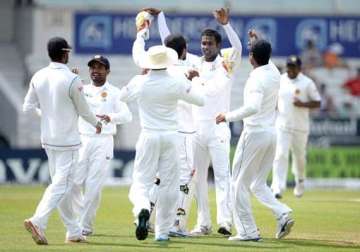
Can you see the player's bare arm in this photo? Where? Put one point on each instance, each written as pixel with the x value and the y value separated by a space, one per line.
pixel 310 104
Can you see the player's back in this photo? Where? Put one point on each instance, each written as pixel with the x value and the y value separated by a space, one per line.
pixel 58 115
pixel 158 99
pixel 266 80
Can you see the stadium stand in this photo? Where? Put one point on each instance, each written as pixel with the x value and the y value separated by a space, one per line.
pixel 30 23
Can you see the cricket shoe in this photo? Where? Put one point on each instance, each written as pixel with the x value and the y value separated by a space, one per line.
pixel 299 188
pixel 225 231
pixel 284 225
pixel 86 232
pixel 255 238
pixel 278 195
pixel 176 231
pixel 36 233
pixel 200 231
pixel 162 238
pixel 76 239
pixel 142 227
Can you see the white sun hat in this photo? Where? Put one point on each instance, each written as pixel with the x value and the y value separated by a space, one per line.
pixel 158 57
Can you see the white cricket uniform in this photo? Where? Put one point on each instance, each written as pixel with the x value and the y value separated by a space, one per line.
pixel 58 93
pixel 292 128
pixel 212 141
pixel 97 150
pixel 256 148
pixel 186 126
pixel 157 95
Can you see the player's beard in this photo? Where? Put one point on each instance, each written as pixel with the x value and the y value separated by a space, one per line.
pixel 98 80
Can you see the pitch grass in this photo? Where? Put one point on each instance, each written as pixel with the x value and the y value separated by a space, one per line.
pixel 324 221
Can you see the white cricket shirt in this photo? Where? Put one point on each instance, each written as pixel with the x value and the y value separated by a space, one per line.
pixel 260 98
pixel 218 78
pixel 58 93
pixel 157 94
pixel 104 100
pixel 291 117
pixel 184 109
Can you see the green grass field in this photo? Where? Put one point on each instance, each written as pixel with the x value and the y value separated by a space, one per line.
pixel 324 221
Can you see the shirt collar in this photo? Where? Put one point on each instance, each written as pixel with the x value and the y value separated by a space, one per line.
pixel 57 65
pixel 259 69
pixel 103 87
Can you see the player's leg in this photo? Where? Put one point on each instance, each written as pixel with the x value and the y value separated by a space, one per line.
pixel 80 175
pixel 248 155
pixel 219 148
pixel 97 173
pixel 298 146
pixel 37 224
pixel 66 163
pixel 280 163
pixel 201 164
pixel 145 168
pixel 168 189
pixel 186 172
pixel 259 186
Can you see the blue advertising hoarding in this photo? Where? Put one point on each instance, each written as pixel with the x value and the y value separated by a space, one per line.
pixel 27 166
pixel 114 33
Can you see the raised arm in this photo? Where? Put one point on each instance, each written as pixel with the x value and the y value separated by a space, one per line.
pixel 222 16
pixel 138 49
pixel 162 26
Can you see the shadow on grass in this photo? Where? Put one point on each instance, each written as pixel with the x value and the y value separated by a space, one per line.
pixel 142 244
pixel 229 244
pixel 110 235
pixel 265 244
pixel 320 243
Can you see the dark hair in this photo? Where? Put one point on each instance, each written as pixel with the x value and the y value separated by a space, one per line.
pixel 212 33
pixel 261 51
pixel 176 42
pixel 57 47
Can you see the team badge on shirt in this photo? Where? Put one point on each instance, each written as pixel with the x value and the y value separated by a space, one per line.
pixel 103 96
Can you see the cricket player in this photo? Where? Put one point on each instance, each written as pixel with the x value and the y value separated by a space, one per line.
pixel 297 95
pixel 186 126
pixel 256 147
pixel 157 94
pixel 217 69
pixel 59 94
pixel 97 150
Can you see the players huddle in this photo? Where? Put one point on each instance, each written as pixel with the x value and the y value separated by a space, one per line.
pixel 184 109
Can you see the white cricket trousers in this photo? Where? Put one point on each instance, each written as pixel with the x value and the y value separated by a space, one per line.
pixel 287 140
pixel 212 143
pixel 62 165
pixel 95 156
pixel 251 166
pixel 186 155
pixel 156 154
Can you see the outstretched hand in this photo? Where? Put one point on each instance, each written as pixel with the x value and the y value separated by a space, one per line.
pixel 152 11
pixel 222 15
